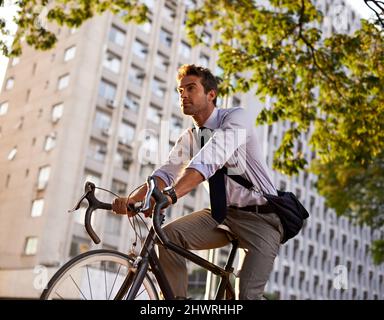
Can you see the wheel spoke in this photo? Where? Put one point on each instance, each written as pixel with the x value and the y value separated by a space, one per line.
pixel 78 288
pixel 89 282
pixel 59 295
pixel 141 292
pixel 105 281
pixel 113 285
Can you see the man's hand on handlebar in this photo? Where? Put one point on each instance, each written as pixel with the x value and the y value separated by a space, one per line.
pixel 124 206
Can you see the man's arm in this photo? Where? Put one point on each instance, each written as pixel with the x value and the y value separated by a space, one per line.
pixel 189 180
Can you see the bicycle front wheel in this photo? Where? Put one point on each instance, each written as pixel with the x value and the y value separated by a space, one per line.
pixel 95 275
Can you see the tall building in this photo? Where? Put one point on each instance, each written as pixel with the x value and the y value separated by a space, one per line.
pixel 102 106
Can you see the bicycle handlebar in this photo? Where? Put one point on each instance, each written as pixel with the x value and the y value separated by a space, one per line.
pixel 94 204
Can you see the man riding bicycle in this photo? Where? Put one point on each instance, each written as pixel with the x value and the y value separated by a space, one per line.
pixel 223 142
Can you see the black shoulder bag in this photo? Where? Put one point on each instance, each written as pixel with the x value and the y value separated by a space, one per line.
pixel 286 205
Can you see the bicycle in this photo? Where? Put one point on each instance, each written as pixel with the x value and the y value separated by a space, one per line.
pixel 120 276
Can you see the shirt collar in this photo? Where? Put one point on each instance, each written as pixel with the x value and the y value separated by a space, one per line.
pixel 212 122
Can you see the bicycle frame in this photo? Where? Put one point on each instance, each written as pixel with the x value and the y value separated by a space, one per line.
pixel 149 259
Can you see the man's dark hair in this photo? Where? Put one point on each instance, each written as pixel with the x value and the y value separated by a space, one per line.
pixel 208 80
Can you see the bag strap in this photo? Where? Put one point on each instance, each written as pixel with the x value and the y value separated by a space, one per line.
pixel 237 178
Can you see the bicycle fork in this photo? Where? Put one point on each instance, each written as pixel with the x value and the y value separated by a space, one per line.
pixel 137 272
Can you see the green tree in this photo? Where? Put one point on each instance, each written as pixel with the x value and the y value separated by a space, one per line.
pixel 71 13
pixel 330 89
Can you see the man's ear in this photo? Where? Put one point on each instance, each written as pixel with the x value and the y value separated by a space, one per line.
pixel 211 95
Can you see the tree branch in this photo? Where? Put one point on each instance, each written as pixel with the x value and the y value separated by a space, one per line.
pixel 313 50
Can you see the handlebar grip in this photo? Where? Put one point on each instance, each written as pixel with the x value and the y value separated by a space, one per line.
pixel 88 215
pixel 93 205
pixel 88 225
pixel 161 202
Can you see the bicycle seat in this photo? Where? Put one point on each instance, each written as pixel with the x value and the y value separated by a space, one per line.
pixel 230 234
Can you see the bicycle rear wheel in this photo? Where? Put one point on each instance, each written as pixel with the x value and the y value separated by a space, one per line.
pixel 95 275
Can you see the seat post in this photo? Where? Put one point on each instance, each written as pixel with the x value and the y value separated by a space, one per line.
pixel 232 255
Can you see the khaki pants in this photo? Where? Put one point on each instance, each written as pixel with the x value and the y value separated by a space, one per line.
pixel 259 234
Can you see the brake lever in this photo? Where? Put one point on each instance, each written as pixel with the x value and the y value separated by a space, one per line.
pixel 88 188
pixel 136 207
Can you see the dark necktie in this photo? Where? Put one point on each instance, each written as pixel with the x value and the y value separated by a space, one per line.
pixel 216 183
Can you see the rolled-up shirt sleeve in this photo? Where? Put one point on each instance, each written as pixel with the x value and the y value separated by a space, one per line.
pixel 221 147
pixel 178 158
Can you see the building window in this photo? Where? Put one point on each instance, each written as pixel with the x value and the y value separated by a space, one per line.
pixel 151 145
pixel 9 83
pixel 3 108
pixel 146 26
pixel 203 60
pixel 175 97
pixel 63 82
pixel 113 224
pixel 20 123
pixel 122 160
pixel 112 62
pixel 102 120
pixel 176 126
pixel 37 208
pixel 154 114
pixel 69 53
pixel 79 245
pixel 50 142
pixel 12 154
pixel 165 38
pixel 146 170
pixel 97 150
pixel 161 61
pixel 92 177
pixel 43 177
pixel 8 180
pixel 126 133
pixel 107 90
pixel 136 75
pixel 140 49
pixel 117 36
pixel 158 87
pixel 132 101
pixel 185 49
pixel 169 13
pixel 207 38
pixel 119 187
pixel 31 246
pixel 57 112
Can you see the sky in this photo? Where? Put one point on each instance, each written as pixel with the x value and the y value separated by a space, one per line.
pixel 9 10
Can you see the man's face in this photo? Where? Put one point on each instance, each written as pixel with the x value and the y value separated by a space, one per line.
pixel 193 100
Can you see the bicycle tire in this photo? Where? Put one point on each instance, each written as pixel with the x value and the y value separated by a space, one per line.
pixel 107 267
